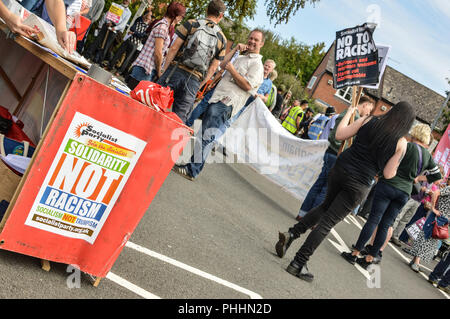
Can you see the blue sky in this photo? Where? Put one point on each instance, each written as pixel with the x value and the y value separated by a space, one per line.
pixel 417 31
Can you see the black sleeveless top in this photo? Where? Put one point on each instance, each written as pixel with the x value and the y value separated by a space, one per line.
pixel 362 161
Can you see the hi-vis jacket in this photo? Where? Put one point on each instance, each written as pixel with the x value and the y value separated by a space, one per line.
pixel 290 123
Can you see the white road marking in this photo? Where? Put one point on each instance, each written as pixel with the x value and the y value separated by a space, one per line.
pixel 354 221
pixel 132 287
pixel 341 246
pixel 193 270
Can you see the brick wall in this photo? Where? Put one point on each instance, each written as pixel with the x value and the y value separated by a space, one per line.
pixel 326 93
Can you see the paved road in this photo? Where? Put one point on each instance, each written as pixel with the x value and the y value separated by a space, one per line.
pixel 214 238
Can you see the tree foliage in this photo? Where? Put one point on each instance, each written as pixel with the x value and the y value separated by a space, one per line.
pixel 280 11
pixel 445 117
pixel 236 9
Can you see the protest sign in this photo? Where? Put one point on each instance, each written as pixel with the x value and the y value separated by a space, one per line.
pixel 441 153
pixel 87 175
pixel 114 13
pixel 356 57
pixel 92 179
pixel 383 52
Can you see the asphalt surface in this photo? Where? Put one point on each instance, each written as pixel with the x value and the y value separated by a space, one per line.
pixel 213 238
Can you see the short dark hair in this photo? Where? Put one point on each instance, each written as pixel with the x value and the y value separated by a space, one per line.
pixel 262 33
pixel 366 99
pixel 215 8
pixel 304 102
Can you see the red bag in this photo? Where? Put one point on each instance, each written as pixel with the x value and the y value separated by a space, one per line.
pixel 440 232
pixel 80 31
pixel 15 132
pixel 153 95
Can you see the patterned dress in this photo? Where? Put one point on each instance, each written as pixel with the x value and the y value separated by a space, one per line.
pixel 426 248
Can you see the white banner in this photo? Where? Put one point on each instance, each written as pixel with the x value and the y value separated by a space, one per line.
pixel 258 139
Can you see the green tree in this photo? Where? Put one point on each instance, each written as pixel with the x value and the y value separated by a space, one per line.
pixel 280 11
pixel 293 57
pixel 237 10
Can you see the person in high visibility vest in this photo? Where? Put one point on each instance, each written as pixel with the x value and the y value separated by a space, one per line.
pixel 295 116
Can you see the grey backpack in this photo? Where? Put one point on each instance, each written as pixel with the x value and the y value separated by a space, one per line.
pixel 200 47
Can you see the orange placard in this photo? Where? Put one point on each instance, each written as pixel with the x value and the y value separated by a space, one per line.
pixel 101 163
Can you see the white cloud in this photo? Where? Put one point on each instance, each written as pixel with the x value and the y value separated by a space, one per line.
pixel 441 6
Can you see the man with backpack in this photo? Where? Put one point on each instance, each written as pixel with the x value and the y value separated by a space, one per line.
pixel 194 57
pixel 242 79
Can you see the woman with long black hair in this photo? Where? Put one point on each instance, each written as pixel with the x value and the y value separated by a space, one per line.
pixel 379 146
pixel 392 194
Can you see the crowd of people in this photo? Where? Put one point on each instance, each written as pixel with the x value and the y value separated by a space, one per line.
pixel 379 172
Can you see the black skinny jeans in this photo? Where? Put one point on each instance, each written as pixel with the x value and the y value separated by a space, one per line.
pixel 344 194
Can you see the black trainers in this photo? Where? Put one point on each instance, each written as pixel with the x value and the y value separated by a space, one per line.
pixel 301 271
pixel 183 172
pixel 444 289
pixel 349 257
pixel 433 281
pixel 365 250
pixel 407 250
pixel 284 241
pixel 377 258
pixel 363 263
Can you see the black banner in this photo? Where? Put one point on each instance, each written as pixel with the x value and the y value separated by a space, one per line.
pixel 356 57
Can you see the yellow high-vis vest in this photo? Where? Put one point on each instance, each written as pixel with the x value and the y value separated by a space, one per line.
pixel 290 123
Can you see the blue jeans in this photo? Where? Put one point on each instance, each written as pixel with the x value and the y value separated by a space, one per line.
pixel 387 203
pixel 442 272
pixel 140 74
pixel 317 192
pixel 249 100
pixel 213 121
pixel 200 108
pixel 184 86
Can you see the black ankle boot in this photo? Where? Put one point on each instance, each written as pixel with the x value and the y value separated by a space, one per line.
pixel 349 257
pixel 284 241
pixel 299 270
pixel 363 263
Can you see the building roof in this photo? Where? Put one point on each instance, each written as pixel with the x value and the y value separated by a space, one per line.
pixel 396 87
